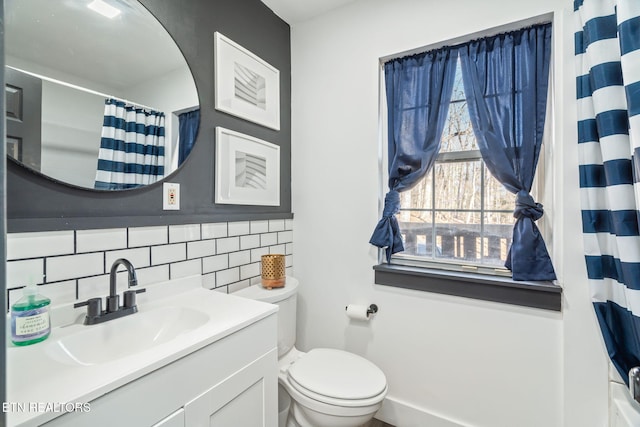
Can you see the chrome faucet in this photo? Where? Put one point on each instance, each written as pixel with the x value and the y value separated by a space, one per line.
pixel 114 310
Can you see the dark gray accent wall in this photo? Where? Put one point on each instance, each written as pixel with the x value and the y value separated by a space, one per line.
pixel 36 203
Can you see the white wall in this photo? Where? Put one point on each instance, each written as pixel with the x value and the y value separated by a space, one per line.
pixel 71 132
pixel 449 361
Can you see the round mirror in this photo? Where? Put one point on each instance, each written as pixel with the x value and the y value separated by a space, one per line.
pixel 98 94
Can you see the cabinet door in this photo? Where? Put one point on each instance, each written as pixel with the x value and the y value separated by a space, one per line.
pixel 174 420
pixel 249 397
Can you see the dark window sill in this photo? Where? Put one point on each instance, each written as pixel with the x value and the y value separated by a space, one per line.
pixel 545 295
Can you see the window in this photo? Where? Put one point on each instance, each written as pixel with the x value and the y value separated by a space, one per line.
pixel 457 220
pixel 458 215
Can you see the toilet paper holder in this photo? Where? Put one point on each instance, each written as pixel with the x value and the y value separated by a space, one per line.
pixel 373 309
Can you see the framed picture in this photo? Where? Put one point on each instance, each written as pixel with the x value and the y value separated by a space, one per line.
pixel 247 170
pixel 245 85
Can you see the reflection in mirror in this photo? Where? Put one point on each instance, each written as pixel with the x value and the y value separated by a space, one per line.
pixel 76 77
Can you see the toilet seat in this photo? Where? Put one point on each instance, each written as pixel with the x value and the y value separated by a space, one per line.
pixel 339 378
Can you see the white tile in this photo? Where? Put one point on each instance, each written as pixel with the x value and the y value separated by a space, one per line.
pixel 256 280
pixel 288 249
pixel 221 289
pixel 276 225
pixel 98 286
pixel 22 273
pixel 73 266
pixel 256 254
pixel 251 241
pixel 285 237
pixel 214 230
pixel 289 271
pixel 288 224
pixel 184 233
pixel 226 277
pixel 139 257
pixel 257 227
pixel 288 261
pixel 278 249
pixel 209 281
pixel 215 263
pixel 268 239
pixel 150 275
pixel 100 240
pixel 185 268
pixel 33 245
pixel 148 236
pixel 235 287
pixel 201 248
pixel 168 253
pixel 249 270
pixel 13 295
pixel 239 258
pixel 238 228
pixel 59 292
pixel 229 244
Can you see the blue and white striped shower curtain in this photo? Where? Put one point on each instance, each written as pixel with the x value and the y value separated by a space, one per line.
pixel 607 48
pixel 131 148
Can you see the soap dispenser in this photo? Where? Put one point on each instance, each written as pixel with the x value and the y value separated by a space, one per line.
pixel 30 321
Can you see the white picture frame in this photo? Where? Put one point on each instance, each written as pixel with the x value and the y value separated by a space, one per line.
pixel 247 170
pixel 246 86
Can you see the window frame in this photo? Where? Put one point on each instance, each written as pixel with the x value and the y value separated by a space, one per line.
pixel 455 278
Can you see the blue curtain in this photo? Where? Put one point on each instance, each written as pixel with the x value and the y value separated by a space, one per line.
pixel 418 90
pixel 131 148
pixel 607 49
pixel 506 81
pixel 188 124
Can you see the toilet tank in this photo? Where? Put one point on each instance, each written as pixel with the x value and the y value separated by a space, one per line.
pixel 285 298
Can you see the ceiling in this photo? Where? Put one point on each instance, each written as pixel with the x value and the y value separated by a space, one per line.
pixel 294 11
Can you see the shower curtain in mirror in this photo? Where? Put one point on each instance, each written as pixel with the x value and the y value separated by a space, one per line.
pixel 607 48
pixel 131 148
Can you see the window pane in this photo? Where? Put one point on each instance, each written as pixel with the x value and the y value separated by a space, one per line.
pixel 458 86
pixel 498 230
pixel 458 132
pixel 420 196
pixel 496 196
pixel 416 233
pixel 458 185
pixel 458 236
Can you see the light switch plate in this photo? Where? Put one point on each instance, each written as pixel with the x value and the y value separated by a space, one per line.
pixel 170 196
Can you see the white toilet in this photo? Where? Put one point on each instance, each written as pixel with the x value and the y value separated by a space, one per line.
pixel 328 388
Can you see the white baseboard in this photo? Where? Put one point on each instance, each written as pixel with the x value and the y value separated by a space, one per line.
pixel 399 413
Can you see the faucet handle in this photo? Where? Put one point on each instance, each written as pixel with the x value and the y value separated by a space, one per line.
pixel 130 297
pixel 94 306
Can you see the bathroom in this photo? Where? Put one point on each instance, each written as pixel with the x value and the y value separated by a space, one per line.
pixel 449 360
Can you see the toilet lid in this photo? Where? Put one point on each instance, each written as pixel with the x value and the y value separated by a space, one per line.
pixel 338 374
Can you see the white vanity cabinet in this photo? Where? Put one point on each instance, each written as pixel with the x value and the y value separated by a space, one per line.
pixel 230 382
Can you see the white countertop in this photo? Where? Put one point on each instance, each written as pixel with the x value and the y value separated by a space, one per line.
pixel 36 378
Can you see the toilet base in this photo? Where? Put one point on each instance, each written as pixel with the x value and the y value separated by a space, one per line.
pixel 304 417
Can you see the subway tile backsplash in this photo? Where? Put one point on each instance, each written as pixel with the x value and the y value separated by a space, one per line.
pixel 74 265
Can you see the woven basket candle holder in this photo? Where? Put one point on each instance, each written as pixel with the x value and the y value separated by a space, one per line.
pixel 273 271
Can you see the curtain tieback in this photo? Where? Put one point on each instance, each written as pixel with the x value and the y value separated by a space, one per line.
pixel 527 207
pixel 387 233
pixel 391 204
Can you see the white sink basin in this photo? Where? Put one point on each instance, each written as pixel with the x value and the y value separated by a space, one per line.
pixel 115 339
